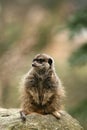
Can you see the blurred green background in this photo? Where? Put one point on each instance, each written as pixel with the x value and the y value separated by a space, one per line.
pixel 58 28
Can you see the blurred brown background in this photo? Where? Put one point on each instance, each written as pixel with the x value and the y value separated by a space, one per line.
pixel 58 28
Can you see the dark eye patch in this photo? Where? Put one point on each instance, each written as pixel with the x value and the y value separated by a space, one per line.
pixel 41 60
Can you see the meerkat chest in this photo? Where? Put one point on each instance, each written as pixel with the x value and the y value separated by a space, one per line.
pixel 41 82
pixel 44 83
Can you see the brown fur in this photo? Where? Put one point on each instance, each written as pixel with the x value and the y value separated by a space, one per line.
pixel 42 89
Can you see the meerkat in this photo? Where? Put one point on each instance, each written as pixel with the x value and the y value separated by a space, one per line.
pixel 42 91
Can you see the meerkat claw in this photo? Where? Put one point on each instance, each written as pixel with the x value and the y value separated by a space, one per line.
pixel 23 116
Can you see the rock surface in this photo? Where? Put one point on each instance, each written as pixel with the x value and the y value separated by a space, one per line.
pixel 10 120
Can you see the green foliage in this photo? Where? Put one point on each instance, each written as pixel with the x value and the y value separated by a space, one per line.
pixel 51 4
pixel 9 36
pixel 43 38
pixel 80 112
pixel 79 57
pixel 77 21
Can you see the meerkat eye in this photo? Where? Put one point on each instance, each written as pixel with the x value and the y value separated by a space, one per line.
pixel 41 60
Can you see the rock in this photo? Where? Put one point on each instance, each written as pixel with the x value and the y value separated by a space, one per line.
pixel 10 120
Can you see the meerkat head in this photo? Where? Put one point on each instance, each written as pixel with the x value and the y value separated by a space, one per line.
pixel 42 62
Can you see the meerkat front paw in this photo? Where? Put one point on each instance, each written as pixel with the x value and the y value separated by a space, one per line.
pixel 58 114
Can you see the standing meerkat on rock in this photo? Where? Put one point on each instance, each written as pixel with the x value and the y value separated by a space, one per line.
pixel 42 91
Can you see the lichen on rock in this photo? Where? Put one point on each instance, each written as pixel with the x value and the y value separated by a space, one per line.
pixel 10 120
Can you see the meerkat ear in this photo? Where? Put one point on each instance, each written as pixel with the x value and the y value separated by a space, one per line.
pixel 50 61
